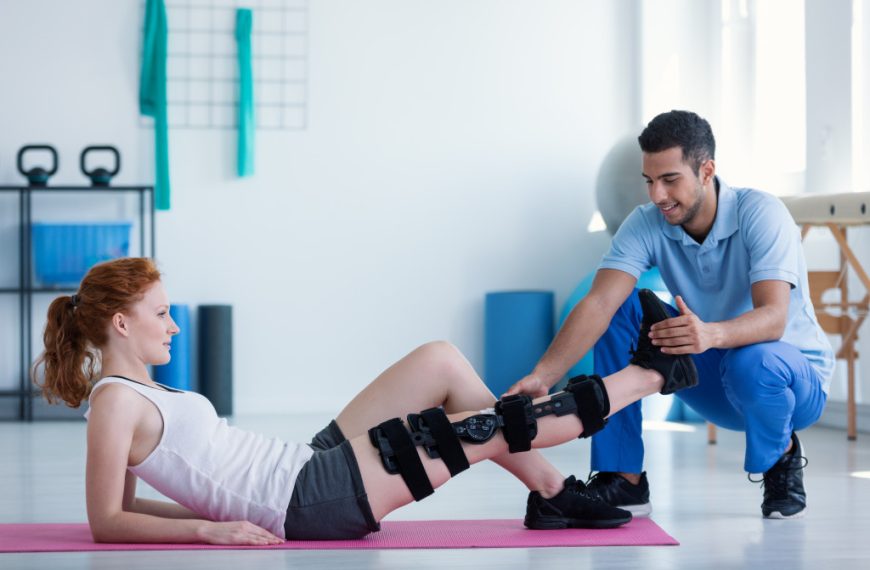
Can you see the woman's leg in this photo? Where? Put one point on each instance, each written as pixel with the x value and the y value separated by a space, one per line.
pixel 434 374
pixel 387 492
pixel 437 374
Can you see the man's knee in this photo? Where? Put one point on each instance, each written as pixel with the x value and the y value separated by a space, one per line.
pixel 630 308
pixel 625 320
pixel 747 375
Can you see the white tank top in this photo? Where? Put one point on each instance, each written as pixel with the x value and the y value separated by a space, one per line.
pixel 220 472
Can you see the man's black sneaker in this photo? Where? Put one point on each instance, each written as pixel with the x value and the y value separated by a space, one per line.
pixel 617 491
pixel 784 494
pixel 678 370
pixel 573 507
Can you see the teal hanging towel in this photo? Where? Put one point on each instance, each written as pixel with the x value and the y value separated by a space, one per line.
pixel 152 95
pixel 244 19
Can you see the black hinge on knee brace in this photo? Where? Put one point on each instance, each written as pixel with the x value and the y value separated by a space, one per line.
pixel 399 455
pixel 432 430
pixel 593 404
pixel 520 426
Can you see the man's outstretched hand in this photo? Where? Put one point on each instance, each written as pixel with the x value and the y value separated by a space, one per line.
pixel 531 385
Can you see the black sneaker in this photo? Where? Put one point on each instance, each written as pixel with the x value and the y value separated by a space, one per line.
pixel 784 494
pixel 678 370
pixel 616 491
pixel 573 507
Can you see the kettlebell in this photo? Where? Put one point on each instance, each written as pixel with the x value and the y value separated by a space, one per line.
pixel 100 177
pixel 37 176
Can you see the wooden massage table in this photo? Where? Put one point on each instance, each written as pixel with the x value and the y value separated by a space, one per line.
pixel 837 212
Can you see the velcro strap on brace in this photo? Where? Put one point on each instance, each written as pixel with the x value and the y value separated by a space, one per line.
pixel 447 443
pixel 403 451
pixel 593 404
pixel 520 426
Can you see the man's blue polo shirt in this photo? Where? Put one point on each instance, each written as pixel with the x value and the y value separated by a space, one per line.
pixel 753 238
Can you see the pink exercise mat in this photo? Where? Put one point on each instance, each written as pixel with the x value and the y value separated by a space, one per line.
pixel 495 533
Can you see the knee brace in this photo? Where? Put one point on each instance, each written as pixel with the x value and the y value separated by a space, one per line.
pixel 399 456
pixel 516 416
pixel 584 396
pixel 590 402
pixel 431 430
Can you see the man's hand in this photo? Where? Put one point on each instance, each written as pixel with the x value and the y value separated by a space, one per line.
pixel 531 385
pixel 686 334
pixel 237 532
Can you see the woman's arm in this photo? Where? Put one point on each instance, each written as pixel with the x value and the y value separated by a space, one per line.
pixel 115 413
pixel 165 509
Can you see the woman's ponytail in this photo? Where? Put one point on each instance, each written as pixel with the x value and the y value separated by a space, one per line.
pixel 68 363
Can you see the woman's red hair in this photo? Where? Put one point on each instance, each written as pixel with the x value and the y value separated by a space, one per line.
pixel 78 327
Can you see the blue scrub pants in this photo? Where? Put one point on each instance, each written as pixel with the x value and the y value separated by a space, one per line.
pixel 767 390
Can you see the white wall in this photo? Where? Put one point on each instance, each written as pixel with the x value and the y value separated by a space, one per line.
pixel 679 43
pixel 829 91
pixel 452 150
pixel 829 28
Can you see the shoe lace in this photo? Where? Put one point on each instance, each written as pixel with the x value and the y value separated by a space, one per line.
pixel 644 351
pixel 597 481
pixel 599 477
pixel 775 479
pixel 580 488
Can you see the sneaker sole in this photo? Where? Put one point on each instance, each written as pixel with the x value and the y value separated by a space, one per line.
pixel 687 367
pixel 556 523
pixel 643 510
pixel 776 515
pixel 656 304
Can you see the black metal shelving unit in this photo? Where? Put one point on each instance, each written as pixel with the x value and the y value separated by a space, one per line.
pixel 26 392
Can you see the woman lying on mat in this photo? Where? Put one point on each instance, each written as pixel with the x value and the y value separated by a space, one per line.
pixel 236 487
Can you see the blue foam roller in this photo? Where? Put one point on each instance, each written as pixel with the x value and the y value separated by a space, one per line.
pixel 518 330
pixel 177 372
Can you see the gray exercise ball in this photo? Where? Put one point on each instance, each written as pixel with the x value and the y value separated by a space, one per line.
pixel 620 186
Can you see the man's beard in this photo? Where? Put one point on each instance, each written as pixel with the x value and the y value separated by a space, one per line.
pixel 694 208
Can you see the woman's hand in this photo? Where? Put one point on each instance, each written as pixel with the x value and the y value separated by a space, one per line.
pixel 237 532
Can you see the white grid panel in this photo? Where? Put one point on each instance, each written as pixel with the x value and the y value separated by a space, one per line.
pixel 202 71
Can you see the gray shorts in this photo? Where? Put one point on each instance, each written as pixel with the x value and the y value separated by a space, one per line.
pixel 329 500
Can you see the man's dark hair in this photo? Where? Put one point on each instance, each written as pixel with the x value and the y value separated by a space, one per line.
pixel 684 129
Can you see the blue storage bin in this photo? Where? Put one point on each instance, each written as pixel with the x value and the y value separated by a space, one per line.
pixel 63 253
